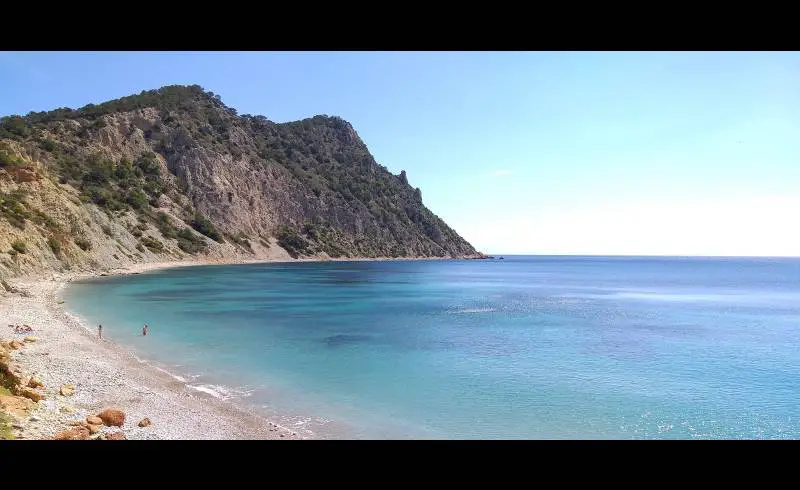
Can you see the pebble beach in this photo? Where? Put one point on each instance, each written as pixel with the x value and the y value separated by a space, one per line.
pixel 83 375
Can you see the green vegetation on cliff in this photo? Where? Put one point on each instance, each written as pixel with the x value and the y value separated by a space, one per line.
pixel 199 176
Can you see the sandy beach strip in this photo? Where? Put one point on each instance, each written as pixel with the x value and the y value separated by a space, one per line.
pixel 108 375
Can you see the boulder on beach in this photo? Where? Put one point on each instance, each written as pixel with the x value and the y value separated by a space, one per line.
pixel 67 409
pixel 30 339
pixel 145 422
pixel 94 420
pixel 74 434
pixel 93 428
pixel 15 344
pixel 15 405
pixel 30 393
pixel 67 390
pixel 115 436
pixel 112 417
pixel 35 382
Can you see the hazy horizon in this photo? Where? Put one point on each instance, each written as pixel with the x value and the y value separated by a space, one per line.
pixel 531 153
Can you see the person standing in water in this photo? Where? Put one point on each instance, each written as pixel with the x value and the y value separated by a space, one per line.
pixel 100 331
pixel 144 330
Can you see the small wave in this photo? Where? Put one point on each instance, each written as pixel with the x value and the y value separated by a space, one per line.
pixel 214 390
pixel 174 376
pixel 475 310
pixel 223 392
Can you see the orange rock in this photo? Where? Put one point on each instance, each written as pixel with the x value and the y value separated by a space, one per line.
pixel 112 416
pixel 93 429
pixel 67 390
pixel 15 344
pixel 93 420
pixel 35 382
pixel 31 393
pixel 15 405
pixel 115 436
pixel 76 434
pixel 144 422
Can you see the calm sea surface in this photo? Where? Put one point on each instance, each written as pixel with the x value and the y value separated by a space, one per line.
pixel 526 347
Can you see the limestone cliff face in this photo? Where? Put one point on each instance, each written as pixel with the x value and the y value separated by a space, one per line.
pixel 173 173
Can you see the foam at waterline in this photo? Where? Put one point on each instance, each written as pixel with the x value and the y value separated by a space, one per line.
pixel 174 376
pixel 222 392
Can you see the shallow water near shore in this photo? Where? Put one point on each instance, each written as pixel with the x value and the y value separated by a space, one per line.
pixel 527 347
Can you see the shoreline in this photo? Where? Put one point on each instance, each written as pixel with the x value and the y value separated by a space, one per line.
pixel 106 374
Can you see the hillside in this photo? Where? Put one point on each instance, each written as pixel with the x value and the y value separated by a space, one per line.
pixel 173 174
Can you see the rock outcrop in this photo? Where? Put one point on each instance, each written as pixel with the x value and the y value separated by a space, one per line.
pixel 174 174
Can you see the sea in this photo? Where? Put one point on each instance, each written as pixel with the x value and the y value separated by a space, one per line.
pixel 527 347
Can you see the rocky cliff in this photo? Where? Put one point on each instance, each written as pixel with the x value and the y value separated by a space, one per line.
pixel 174 174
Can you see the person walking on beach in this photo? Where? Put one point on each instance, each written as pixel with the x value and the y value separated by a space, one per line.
pixel 144 330
pixel 100 331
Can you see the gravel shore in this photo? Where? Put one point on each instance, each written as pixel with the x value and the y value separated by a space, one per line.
pixel 107 375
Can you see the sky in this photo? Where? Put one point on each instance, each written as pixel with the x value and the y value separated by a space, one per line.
pixel 588 153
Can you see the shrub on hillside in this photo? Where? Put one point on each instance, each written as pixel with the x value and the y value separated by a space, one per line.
pixel 189 242
pixel 55 245
pixel 19 246
pixel 293 243
pixel 83 244
pixel 204 226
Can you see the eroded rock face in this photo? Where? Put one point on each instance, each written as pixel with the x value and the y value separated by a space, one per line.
pixel 112 417
pixel 251 177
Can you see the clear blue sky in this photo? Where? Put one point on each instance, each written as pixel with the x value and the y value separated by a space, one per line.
pixel 521 152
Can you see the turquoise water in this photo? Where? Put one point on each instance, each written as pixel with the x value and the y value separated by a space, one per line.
pixel 526 347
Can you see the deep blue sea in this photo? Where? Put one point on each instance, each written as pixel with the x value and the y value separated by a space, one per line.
pixel 528 347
